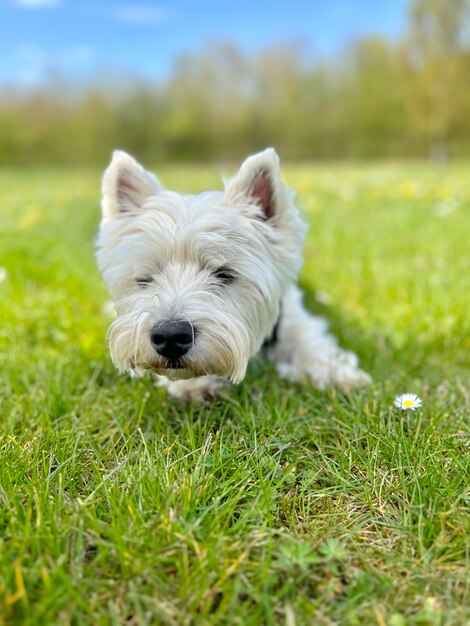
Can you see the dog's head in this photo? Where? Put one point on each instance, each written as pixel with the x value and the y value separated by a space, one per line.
pixel 196 279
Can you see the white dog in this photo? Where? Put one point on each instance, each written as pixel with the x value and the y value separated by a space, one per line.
pixel 202 282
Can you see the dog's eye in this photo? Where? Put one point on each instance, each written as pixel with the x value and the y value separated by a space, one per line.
pixel 144 281
pixel 224 275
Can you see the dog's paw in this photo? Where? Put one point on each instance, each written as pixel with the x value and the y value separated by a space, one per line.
pixel 342 373
pixel 347 378
pixel 197 390
pixel 346 374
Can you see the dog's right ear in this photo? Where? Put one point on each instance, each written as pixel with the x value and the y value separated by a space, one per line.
pixel 126 186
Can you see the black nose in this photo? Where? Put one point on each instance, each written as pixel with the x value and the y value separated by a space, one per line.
pixel 172 339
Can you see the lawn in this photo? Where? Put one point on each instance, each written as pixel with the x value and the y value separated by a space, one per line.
pixel 279 504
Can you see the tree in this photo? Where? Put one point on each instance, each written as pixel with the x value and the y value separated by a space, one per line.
pixel 433 54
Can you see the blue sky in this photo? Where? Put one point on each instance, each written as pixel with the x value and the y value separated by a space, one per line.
pixel 145 37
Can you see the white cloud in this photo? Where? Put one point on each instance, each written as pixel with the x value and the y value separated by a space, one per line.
pixel 36 4
pixel 140 14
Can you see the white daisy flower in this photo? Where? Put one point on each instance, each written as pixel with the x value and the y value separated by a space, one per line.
pixel 3 274
pixel 408 402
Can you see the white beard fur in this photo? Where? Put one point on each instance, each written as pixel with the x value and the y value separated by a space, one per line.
pixel 163 256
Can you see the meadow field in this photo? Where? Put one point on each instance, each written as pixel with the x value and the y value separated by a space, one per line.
pixel 279 504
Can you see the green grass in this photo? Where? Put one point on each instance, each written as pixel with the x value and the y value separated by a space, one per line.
pixel 280 504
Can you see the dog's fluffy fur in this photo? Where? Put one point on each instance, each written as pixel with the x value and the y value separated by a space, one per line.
pixel 223 262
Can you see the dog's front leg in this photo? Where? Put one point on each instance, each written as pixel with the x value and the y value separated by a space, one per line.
pixel 305 350
pixel 200 389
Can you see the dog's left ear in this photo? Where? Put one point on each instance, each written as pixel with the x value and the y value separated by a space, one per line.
pixel 126 185
pixel 259 182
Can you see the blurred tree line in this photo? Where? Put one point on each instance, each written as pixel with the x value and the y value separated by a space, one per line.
pixel 409 98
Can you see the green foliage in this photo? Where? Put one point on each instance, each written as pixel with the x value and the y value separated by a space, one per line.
pixel 394 99
pixel 279 504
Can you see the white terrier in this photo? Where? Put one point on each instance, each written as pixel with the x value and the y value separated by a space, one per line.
pixel 202 282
